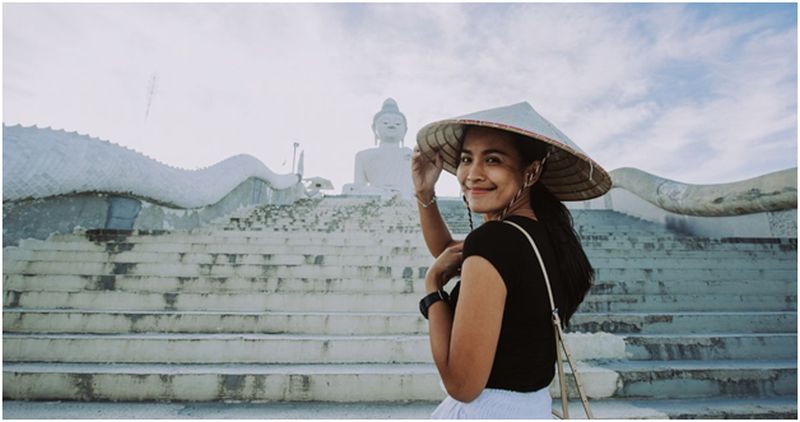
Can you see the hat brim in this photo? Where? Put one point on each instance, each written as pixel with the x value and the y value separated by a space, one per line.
pixel 570 174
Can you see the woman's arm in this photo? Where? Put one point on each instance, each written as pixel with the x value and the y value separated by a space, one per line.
pixel 425 174
pixel 434 230
pixel 464 349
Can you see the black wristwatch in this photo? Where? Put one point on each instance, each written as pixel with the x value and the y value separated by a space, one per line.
pixel 432 298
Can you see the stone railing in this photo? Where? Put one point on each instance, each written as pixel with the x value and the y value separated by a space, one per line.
pixel 771 192
pixel 41 163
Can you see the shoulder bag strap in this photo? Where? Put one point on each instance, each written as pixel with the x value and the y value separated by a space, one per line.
pixel 559 334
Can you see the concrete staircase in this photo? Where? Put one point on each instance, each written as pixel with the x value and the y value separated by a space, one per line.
pixel 317 303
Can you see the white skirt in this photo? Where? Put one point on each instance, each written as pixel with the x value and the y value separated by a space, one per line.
pixel 498 404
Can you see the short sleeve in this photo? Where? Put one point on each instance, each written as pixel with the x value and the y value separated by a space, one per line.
pixel 499 244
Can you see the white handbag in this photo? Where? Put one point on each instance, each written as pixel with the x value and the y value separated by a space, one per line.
pixel 559 334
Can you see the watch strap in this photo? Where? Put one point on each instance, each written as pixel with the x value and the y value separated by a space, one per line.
pixel 432 298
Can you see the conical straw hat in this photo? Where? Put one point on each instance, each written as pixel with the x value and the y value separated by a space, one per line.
pixel 570 174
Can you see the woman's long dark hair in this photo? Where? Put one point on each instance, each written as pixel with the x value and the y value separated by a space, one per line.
pixel 576 271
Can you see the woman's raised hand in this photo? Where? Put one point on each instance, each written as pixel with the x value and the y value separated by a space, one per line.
pixel 425 172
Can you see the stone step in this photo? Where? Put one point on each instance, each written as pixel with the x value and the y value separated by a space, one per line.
pixel 780 407
pixel 255 258
pixel 411 281
pixel 675 271
pixel 595 220
pixel 683 303
pixel 685 322
pixel 694 379
pixel 667 243
pixel 669 275
pixel 220 248
pixel 205 236
pixel 376 302
pixel 728 253
pixel 373 256
pixel 372 302
pixel 376 382
pixel 321 213
pixel 231 235
pixel 405 219
pixel 681 346
pixel 178 269
pixel 317 215
pixel 215 348
pixel 720 286
pixel 384 247
pixel 406 227
pixel 367 323
pixel 244 302
pixel 387 216
pixel 204 284
pixel 783 407
pixel 611 229
pixel 699 262
pixel 180 382
pixel 254 347
pixel 248 382
pixel 295 349
pixel 410 227
pixel 113 322
pixel 217 410
pixel 309 239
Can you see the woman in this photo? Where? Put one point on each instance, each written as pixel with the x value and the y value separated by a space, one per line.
pixel 492 338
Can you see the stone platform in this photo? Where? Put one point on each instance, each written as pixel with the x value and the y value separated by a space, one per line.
pixel 310 311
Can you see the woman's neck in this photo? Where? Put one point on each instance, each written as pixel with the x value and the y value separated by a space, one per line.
pixel 522 207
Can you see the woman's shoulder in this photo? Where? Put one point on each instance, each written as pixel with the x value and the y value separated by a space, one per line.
pixel 496 234
pixel 495 227
pixel 503 246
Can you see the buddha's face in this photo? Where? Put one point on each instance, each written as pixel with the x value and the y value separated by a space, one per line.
pixel 390 128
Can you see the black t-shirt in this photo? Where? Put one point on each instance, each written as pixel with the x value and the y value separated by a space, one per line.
pixel 525 358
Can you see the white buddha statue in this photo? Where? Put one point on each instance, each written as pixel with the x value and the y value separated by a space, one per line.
pixel 386 169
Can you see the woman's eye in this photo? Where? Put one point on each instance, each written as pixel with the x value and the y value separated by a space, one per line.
pixel 492 160
pixel 466 160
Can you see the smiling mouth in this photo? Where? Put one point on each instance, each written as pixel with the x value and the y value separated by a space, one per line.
pixel 477 191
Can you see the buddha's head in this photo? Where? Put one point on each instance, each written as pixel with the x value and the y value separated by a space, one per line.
pixel 389 124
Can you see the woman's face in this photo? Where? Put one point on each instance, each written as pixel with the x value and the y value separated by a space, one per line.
pixel 490 169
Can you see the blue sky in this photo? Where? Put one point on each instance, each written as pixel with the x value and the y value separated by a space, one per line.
pixel 699 93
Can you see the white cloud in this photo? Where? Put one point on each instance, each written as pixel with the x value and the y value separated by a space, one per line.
pixel 252 78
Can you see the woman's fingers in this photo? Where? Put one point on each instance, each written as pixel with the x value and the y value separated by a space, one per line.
pixel 437 156
pixel 438 160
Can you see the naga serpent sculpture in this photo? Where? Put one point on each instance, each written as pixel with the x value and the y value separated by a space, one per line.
pixel 42 162
pixel 770 192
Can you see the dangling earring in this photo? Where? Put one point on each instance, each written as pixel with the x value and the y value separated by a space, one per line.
pixel 469 212
pixel 510 204
pixel 530 180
